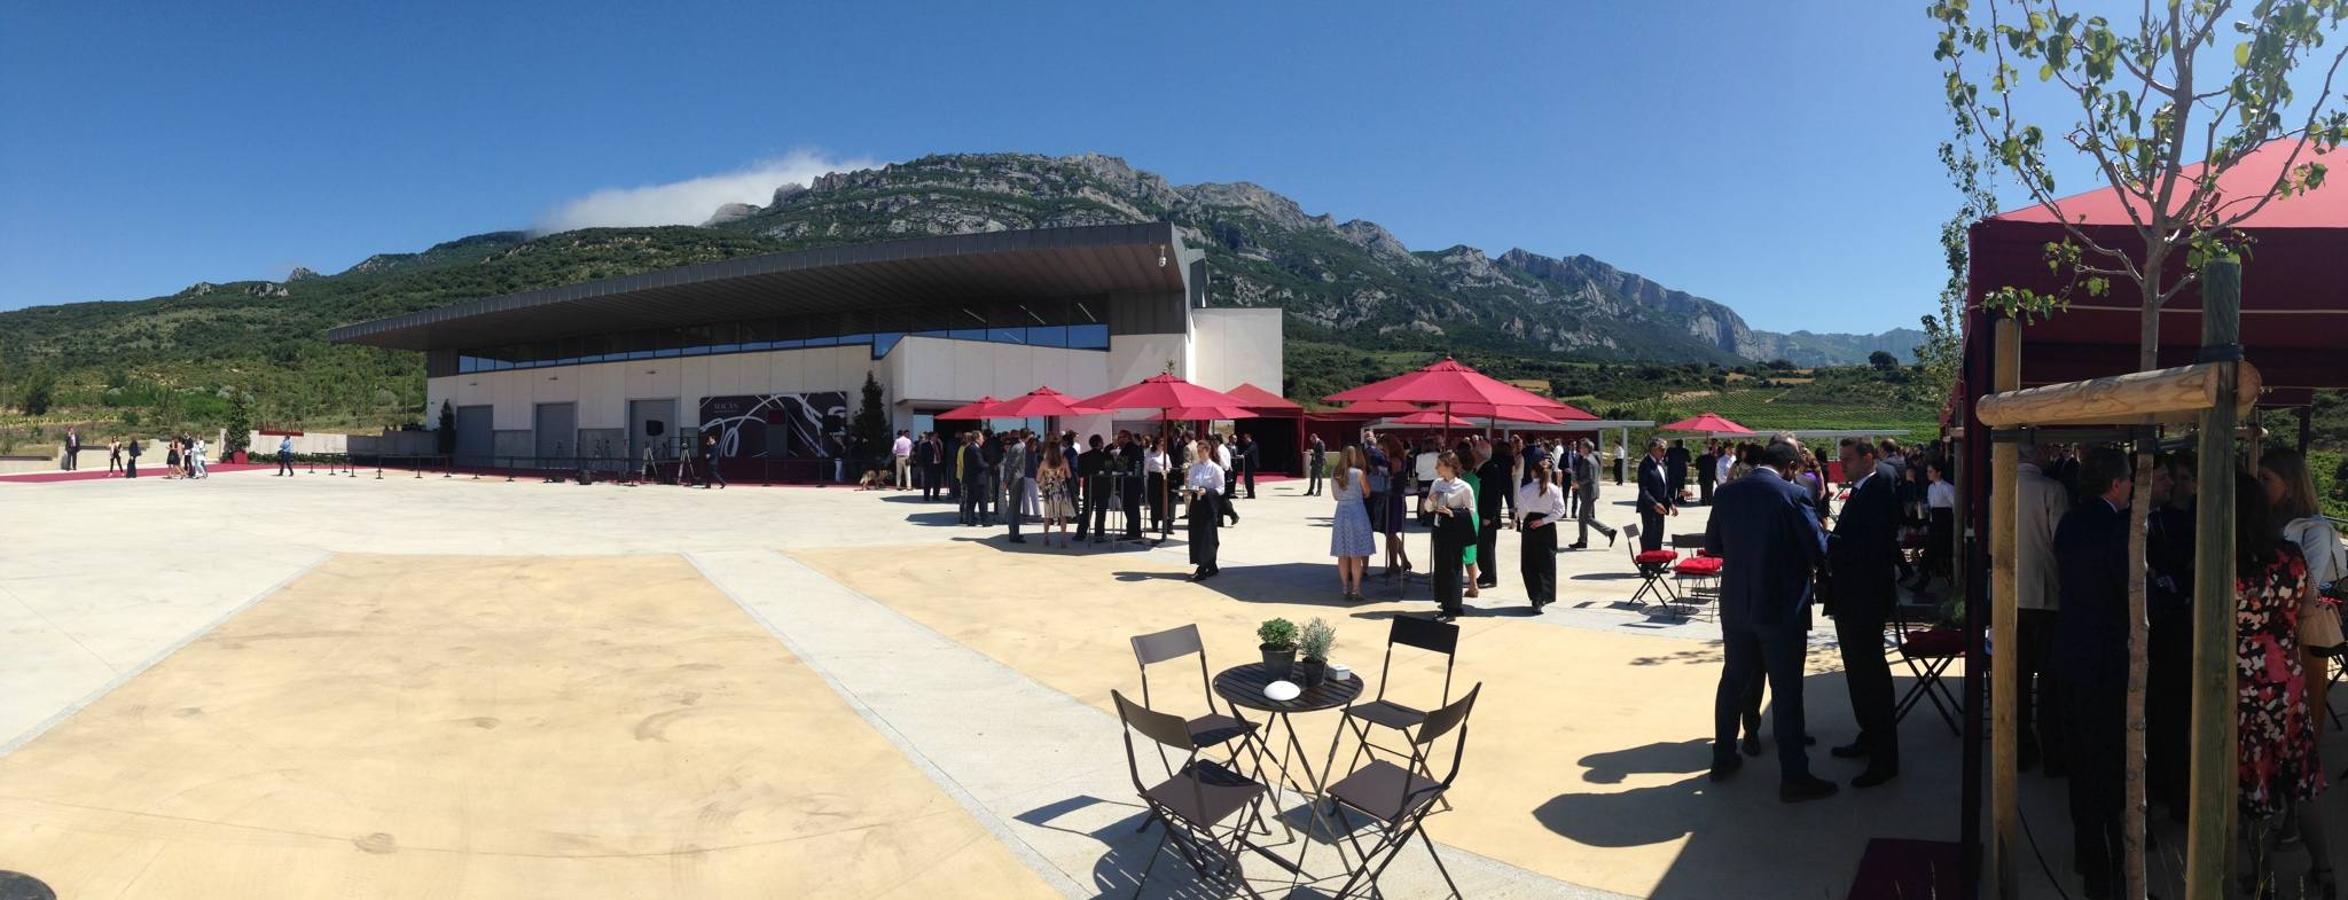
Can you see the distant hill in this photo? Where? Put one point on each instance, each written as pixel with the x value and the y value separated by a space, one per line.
pixel 1346 284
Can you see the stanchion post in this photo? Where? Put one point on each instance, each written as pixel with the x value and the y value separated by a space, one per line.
pixel 2005 660
pixel 2209 840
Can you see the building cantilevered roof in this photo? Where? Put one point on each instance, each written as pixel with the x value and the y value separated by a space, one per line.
pixel 1093 260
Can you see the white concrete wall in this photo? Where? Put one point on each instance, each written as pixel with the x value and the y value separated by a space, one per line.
pixel 1232 345
pixel 309 442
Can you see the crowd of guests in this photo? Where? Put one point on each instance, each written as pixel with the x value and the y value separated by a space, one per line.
pixel 2073 568
pixel 1130 481
pixel 185 456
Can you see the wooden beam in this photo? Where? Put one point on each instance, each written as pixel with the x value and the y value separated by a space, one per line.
pixel 2005 661
pixel 2209 840
pixel 2167 395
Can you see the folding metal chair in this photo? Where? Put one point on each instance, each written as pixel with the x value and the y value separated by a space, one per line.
pixel 1928 653
pixel 1210 730
pixel 1194 801
pixel 1398 798
pixel 1408 631
pixel 1653 566
pixel 1699 568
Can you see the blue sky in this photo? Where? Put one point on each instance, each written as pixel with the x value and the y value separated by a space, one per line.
pixel 1777 157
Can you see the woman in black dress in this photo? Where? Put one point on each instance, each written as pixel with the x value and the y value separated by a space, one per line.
pixel 1203 484
pixel 1453 504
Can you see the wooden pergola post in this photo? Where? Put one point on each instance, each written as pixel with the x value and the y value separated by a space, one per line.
pixel 2209 840
pixel 2005 660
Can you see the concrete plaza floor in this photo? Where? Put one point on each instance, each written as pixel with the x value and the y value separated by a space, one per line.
pixel 344 687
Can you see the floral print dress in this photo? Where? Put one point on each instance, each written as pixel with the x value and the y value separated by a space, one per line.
pixel 2277 761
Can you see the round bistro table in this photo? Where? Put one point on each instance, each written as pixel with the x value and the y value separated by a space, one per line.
pixel 1243 688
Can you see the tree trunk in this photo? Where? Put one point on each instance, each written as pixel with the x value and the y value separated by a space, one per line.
pixel 2139 509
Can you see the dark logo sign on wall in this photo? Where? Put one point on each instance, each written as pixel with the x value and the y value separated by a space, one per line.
pixel 777 426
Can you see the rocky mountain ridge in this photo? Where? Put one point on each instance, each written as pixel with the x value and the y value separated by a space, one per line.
pixel 1352 281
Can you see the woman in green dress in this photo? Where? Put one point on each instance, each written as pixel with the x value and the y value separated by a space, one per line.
pixel 1469 457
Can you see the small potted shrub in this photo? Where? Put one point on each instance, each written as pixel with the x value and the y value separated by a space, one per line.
pixel 1314 645
pixel 1279 645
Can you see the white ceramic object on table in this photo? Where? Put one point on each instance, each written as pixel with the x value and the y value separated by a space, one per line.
pixel 1340 671
pixel 1282 691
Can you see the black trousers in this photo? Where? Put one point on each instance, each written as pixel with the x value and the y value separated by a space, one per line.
pixel 1487 552
pixel 1940 541
pixel 1153 491
pixel 1247 475
pixel 1858 627
pixel 1452 534
pixel 1312 488
pixel 2168 705
pixel 2094 738
pixel 1129 498
pixel 1704 490
pixel 931 481
pixel 1650 528
pixel 972 492
pixel 1538 563
pixel 1205 521
pixel 1753 655
pixel 1618 471
pixel 2042 704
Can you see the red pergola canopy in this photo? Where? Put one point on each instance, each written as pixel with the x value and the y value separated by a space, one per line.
pixel 1265 402
pixel 2294 283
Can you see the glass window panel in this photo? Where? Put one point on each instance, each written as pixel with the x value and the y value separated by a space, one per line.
pixel 1089 337
pixel 1048 335
pixel 931 334
pixel 884 342
pixel 790 343
pixel 822 341
pixel 1001 335
pixel 967 334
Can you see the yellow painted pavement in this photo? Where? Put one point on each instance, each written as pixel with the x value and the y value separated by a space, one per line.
pixel 435 726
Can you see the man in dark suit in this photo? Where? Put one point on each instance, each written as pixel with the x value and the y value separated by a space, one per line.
pixel 2091 656
pixel 1092 471
pixel 1769 542
pixel 1656 499
pixel 1707 468
pixel 1127 468
pixel 1676 463
pixel 1496 484
pixel 970 477
pixel 1314 461
pixel 1860 560
pixel 1249 457
pixel 930 456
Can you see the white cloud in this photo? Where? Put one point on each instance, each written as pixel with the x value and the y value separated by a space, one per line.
pixel 690 202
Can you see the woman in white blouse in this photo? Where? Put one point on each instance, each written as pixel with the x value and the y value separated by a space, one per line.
pixel 1154 465
pixel 1540 505
pixel 1453 505
pixel 1203 487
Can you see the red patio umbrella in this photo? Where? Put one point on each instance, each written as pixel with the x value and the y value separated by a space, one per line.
pixel 977 409
pixel 1506 412
pixel 1041 402
pixel 1428 418
pixel 1445 383
pixel 1710 423
pixel 1203 413
pixel 1381 408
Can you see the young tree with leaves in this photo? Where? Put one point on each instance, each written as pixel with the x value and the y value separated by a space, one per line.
pixel 2147 107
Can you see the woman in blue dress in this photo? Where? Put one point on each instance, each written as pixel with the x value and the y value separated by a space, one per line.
pixel 1351 539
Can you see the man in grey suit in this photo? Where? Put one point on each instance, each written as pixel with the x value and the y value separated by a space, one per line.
pixel 1585 487
pixel 73 449
pixel 1012 470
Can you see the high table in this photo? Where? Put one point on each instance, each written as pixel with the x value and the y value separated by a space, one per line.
pixel 1243 688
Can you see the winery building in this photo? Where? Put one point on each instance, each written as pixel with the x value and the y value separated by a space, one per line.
pixel 770 353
